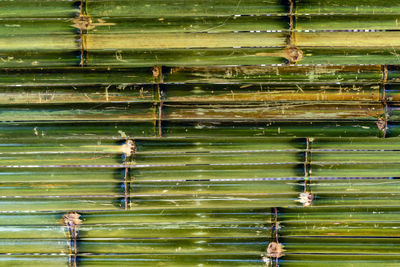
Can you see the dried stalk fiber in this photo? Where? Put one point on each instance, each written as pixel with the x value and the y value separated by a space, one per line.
pixel 199 133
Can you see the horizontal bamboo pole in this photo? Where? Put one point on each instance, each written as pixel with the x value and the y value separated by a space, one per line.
pixel 140 217
pixel 193 24
pixel 162 147
pixel 179 40
pixel 65 43
pixel 142 8
pixel 59 204
pixel 56 246
pixel 174 259
pixel 196 93
pixel 138 112
pixel 350 21
pixel 201 246
pixel 50 177
pixel 214 74
pixel 341 259
pixel 353 39
pixel 159 231
pixel 279 74
pixel 262 92
pixel 35 260
pixel 37 9
pixel 360 246
pixel 240 56
pixel 116 130
pixel 347 7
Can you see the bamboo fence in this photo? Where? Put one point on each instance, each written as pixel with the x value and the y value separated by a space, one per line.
pixel 199 133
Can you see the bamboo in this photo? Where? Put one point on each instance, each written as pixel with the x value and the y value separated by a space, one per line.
pixel 199 133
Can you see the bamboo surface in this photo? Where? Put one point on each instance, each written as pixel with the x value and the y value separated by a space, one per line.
pixel 117 33
pixel 199 133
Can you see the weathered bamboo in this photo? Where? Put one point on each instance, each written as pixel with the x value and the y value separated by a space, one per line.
pixel 199 133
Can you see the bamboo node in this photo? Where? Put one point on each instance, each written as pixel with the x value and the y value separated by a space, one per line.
pixel 293 54
pixel 274 250
pixel 83 23
pixel 72 219
pixel 129 148
pixel 156 71
pixel 381 123
pixel 306 199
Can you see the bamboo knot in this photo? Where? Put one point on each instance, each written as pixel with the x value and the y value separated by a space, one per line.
pixel 72 219
pixel 293 54
pixel 306 199
pixel 275 250
pixel 381 123
pixel 83 23
pixel 156 71
pixel 129 148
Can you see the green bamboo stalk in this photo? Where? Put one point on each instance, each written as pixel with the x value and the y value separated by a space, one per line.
pixel 227 75
pixel 79 94
pixel 347 7
pixel 335 260
pixel 196 93
pixel 350 21
pixel 66 43
pixel 56 175
pixel 279 74
pixel 137 216
pixel 123 8
pixel 59 204
pixel 174 260
pixel 37 9
pixel 205 112
pixel 263 92
pixel 33 246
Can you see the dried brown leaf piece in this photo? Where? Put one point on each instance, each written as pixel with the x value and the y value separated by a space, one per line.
pixel 306 199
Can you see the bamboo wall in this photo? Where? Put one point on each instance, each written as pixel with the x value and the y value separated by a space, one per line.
pixel 199 133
